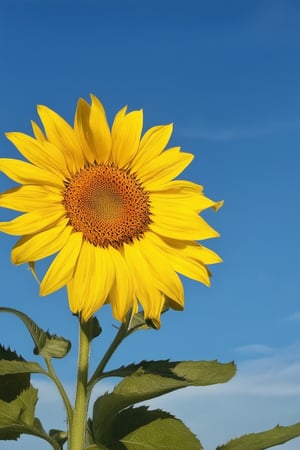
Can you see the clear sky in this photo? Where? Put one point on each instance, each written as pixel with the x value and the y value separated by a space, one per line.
pixel 227 73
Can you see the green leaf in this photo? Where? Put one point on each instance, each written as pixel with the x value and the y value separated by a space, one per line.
pixel 52 346
pixel 12 382
pixel 14 367
pixel 265 439
pixel 141 429
pixel 152 379
pixel 47 345
pixel 163 434
pixel 206 372
pixel 17 416
pixel 130 419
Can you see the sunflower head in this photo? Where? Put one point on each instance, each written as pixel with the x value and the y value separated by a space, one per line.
pixel 107 203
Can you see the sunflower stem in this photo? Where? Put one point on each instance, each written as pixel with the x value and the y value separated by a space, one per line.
pixel 121 334
pixel 63 394
pixel 78 427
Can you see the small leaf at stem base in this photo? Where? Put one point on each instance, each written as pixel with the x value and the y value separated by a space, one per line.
pixel 46 344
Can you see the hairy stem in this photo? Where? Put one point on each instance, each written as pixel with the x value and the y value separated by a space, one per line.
pixel 78 426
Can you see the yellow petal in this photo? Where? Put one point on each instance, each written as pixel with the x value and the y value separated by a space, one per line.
pixel 191 268
pixel 32 248
pixel 92 280
pixel 61 134
pixel 34 221
pixel 164 168
pixel 186 193
pixel 181 201
pixel 121 296
pixel 126 133
pixel 152 144
pixel 100 131
pixel 45 156
pixel 119 117
pixel 28 198
pixel 190 250
pixel 82 130
pixel 181 186
pixel 25 173
pixel 187 257
pixel 140 271
pixel 63 266
pixel 180 224
pixel 153 310
pixel 38 133
pixel 151 298
pixel 165 278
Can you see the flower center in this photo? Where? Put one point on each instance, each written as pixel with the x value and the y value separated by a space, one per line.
pixel 107 205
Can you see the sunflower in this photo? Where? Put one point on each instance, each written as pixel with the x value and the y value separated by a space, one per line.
pixel 105 202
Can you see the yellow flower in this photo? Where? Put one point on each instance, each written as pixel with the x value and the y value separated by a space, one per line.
pixel 106 202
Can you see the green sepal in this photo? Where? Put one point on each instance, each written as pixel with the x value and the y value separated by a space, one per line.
pixel 96 328
pixel 265 439
pixel 138 322
pixel 59 436
pixel 92 328
pixel 46 344
pixel 139 428
pixel 152 379
pixel 31 266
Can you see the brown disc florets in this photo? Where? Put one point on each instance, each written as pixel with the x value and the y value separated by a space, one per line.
pixel 107 204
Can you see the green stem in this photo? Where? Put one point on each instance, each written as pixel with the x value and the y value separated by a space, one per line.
pixel 65 399
pixel 121 334
pixel 77 429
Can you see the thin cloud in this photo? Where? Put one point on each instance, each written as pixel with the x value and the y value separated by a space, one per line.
pixel 295 316
pixel 229 133
pixel 254 349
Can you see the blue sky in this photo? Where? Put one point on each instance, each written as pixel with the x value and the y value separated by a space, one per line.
pixel 227 74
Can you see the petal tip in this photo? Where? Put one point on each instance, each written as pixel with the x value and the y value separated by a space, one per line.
pixel 153 323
